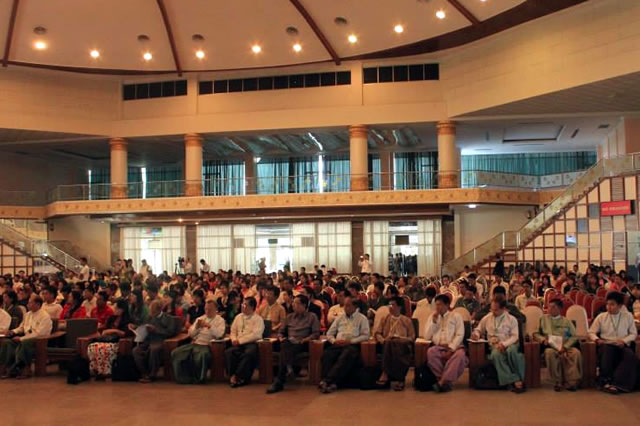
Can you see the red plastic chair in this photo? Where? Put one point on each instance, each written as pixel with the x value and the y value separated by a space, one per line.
pixel 549 294
pixel 586 303
pixel 580 298
pixel 533 303
pixel 573 294
pixel 407 306
pixel 601 292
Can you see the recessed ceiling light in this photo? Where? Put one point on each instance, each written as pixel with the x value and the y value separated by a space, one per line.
pixel 40 45
pixel 440 14
pixel 256 48
pixel 180 220
pixel 197 37
pixel 95 53
pixel 297 47
pixel 472 206
pixel 352 38
pixel 147 56
pixel 200 54
pixel 197 223
pixel 341 21
pixel 398 28
pixel 292 31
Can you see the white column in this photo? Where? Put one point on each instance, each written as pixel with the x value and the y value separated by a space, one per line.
pixel 118 167
pixel 358 157
pixel 192 165
pixel 448 156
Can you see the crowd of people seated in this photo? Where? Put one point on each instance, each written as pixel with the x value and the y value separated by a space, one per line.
pixel 297 308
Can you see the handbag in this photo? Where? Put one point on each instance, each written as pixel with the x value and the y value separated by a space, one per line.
pixel 107 338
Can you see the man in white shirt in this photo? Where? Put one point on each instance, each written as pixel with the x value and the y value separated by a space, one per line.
pixel 242 357
pixel 446 357
pixel 614 331
pixel 191 362
pixel 345 335
pixel 188 266
pixel 85 271
pixel 526 297
pixel 205 266
pixel 17 352
pixel 5 321
pixel 89 299
pixel 501 330
pixel 365 264
pixel 338 309
pixel 54 309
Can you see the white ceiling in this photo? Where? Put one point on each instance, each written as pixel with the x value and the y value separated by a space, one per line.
pixel 230 28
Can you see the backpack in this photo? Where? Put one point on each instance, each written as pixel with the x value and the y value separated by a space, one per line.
pixel 423 379
pixel 124 369
pixel 78 371
pixel 487 377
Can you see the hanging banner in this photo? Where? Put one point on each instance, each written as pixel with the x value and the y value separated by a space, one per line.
pixel 616 208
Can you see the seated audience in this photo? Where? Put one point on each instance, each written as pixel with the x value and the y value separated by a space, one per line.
pixel 89 300
pixel 138 311
pixel 102 353
pixel 525 297
pixel 287 300
pixel 298 329
pixel 49 295
pixel 5 321
pixel 446 357
pixel 148 353
pixel 614 331
pixel 396 334
pixel 558 335
pixel 338 309
pixel 510 307
pixel 242 357
pixel 18 350
pixel 345 335
pixel 501 330
pixel 191 362
pixel 10 305
pixel 271 310
pixel 198 308
pixel 469 300
pixel 74 307
pixel 102 311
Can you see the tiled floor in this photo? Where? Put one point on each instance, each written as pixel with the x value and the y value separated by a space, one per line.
pixel 50 401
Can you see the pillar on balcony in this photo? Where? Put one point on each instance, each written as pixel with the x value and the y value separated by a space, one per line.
pixel 448 156
pixel 250 174
pixel 386 170
pixel 118 167
pixel 192 165
pixel 358 157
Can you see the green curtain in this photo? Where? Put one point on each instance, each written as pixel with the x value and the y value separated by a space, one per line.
pixel 164 181
pixel 375 168
pixel 535 164
pixel 99 183
pixel 415 170
pixel 223 177
pixel 287 175
pixel 337 176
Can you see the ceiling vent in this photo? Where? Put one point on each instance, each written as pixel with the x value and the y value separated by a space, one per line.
pixel 603 126
pixel 532 133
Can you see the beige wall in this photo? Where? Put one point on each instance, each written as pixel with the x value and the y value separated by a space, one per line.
pixel 89 237
pixel 624 138
pixel 26 173
pixel 475 226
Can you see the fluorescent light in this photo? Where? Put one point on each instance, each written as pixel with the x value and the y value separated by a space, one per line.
pixel 472 206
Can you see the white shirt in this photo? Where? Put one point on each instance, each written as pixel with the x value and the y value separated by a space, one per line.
pixel 84 271
pixel 448 330
pixel 89 305
pixel 614 327
pixel 53 309
pixel 521 301
pixel 365 266
pixel 5 320
pixel 203 335
pixel 247 328
pixel 205 268
pixel 502 329
pixel 35 324
pixel 188 268
pixel 334 312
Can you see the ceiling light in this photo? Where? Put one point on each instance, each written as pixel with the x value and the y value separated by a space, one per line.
pixel 95 53
pixel 180 220
pixel 200 54
pixel 147 56
pixel 472 206
pixel 398 29
pixel 256 48
pixel 297 47
pixel 40 45
pixel 352 38
pixel 440 14
pixel 197 223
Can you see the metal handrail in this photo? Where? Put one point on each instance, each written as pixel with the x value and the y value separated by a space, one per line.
pixel 591 177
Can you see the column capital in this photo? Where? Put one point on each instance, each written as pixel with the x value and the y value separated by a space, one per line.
pixel 193 139
pixel 358 131
pixel 446 127
pixel 118 144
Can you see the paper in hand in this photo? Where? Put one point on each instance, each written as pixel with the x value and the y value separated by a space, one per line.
pixel 141 333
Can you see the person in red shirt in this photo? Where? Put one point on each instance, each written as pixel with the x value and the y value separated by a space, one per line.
pixel 102 311
pixel 73 308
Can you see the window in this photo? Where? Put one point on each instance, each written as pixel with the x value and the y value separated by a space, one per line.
pixel 295 81
pixel 160 246
pixel 161 89
pixel 399 73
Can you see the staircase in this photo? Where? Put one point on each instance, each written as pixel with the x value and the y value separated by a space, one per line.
pixel 41 249
pixel 508 241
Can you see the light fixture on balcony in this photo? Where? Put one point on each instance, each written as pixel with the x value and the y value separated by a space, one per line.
pixel 473 206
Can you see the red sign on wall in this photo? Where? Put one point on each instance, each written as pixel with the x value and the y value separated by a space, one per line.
pixel 615 208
